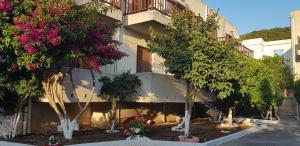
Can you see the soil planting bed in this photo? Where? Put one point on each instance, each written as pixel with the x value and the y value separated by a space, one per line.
pixel 200 127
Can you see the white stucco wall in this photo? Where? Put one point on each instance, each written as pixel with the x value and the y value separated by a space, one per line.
pixel 262 48
pixel 295 28
pixel 256 45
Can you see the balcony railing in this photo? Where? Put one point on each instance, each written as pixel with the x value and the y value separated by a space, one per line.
pixel 246 51
pixel 226 38
pixel 114 3
pixel 164 6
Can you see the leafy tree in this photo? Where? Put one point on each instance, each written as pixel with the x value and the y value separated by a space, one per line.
pixel 39 37
pixel 280 70
pixel 192 55
pixel 273 34
pixel 261 86
pixel 117 89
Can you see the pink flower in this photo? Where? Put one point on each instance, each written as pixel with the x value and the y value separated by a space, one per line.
pixel 53 37
pixel 23 39
pixel 30 50
pixel 36 34
pixel 42 23
pixel 93 62
pixel 13 66
pixel 21 26
pixel 31 66
pixel 5 6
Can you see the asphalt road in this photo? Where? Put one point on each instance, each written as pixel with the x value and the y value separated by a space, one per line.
pixel 285 134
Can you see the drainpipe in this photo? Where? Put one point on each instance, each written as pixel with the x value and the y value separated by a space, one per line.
pixel 293 44
pixel 206 12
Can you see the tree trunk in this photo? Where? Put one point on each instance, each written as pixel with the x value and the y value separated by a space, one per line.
pixel 68 127
pixel 188 110
pixel 188 113
pixel 56 101
pixel 114 111
pixel 230 115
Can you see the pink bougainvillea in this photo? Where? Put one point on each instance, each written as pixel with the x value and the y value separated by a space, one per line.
pixel 93 62
pixel 31 66
pixel 5 6
pixel 13 66
pixel 49 31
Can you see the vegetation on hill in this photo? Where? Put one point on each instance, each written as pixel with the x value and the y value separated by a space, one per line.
pixel 273 34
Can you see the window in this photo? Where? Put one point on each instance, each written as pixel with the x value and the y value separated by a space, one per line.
pixel 278 52
pixel 144 60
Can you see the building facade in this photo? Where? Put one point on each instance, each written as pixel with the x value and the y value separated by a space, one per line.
pixel 262 48
pixel 161 97
pixel 295 29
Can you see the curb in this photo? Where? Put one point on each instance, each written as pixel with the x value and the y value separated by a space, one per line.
pixel 213 142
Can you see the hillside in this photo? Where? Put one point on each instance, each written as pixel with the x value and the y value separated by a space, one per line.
pixel 273 34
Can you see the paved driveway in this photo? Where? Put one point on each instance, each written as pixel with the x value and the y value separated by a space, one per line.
pixel 285 134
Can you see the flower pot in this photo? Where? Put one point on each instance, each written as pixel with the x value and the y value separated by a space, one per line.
pixel 192 139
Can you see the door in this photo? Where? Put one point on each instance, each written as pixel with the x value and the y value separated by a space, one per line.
pixel 144 60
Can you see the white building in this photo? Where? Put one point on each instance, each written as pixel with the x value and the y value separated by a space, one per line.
pixel 262 48
pixel 295 29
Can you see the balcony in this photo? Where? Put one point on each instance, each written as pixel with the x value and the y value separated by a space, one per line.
pixel 115 14
pixel 141 14
pixel 246 51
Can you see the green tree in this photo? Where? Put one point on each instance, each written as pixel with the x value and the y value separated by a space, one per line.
pixel 191 54
pixel 261 86
pixel 269 34
pixel 117 89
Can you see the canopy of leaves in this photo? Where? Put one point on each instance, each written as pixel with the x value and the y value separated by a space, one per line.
pixel 282 72
pixel 120 87
pixel 260 85
pixel 269 34
pixel 191 54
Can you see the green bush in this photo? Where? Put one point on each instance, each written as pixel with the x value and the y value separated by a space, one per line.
pixel 297 90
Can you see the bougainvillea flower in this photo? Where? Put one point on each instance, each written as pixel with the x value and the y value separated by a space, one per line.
pixel 30 49
pixel 93 62
pixel 32 66
pixel 5 6
pixel 13 66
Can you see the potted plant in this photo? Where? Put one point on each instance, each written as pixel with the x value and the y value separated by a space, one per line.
pixel 137 129
pixel 53 141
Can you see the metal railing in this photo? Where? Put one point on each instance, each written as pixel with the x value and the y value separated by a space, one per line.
pixel 164 6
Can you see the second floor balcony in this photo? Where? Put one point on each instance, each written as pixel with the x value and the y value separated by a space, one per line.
pixel 141 14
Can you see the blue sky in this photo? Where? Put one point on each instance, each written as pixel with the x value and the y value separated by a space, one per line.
pixel 250 15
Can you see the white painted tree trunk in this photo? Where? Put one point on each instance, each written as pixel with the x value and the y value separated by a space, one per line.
pixel 112 127
pixel 68 127
pixel 230 121
pixel 186 120
pixel 187 116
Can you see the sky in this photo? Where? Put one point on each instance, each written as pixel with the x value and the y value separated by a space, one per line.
pixel 250 15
